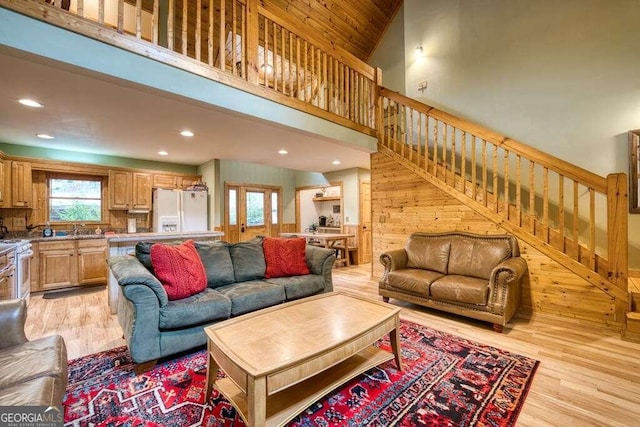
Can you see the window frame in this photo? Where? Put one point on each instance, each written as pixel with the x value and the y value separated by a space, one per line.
pixel 634 171
pixel 77 177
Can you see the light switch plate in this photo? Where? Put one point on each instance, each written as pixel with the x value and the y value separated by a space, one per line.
pixel 19 223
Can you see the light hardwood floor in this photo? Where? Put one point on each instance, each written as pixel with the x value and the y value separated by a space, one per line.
pixel 587 375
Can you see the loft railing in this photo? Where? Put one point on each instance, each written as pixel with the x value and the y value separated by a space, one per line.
pixel 235 42
pixel 571 214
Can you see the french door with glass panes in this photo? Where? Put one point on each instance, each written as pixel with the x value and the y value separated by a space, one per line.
pixel 251 210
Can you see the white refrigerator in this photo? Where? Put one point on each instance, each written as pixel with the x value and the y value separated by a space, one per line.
pixel 179 210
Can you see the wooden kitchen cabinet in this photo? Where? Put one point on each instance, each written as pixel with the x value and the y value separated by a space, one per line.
pixel 129 190
pixel 3 192
pixel 172 182
pixel 58 265
pixel 92 261
pixel 188 180
pixel 161 180
pixel 67 263
pixel 21 185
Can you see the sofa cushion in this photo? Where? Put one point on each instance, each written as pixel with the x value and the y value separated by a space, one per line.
pixel 462 289
pixel 413 280
pixel 299 286
pixel 477 257
pixel 428 253
pixel 217 263
pixel 248 260
pixel 285 257
pixel 143 252
pixel 252 295
pixel 41 357
pixel 203 307
pixel 41 391
pixel 179 269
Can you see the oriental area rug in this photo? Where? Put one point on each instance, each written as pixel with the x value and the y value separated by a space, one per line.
pixel 446 381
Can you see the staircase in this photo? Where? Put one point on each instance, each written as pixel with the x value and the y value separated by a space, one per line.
pixel 632 331
pixel 573 216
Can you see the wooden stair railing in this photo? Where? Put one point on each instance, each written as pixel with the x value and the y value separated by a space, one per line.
pixel 568 213
pixel 235 42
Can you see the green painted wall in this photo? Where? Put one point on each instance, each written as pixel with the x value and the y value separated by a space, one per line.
pixel 389 55
pixel 247 173
pixel 561 76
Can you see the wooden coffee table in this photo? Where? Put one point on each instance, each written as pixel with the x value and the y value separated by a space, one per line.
pixel 280 360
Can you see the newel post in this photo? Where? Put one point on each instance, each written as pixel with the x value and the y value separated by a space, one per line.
pixel 617 238
pixel 377 101
pixel 252 41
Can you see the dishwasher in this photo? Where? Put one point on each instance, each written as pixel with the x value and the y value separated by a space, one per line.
pixel 7 273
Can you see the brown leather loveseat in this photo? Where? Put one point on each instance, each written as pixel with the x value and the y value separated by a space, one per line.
pixel 32 373
pixel 478 276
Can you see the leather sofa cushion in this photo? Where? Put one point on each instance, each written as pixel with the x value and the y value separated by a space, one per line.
pixel 217 262
pixel 252 295
pixel 41 391
pixel 204 307
pixel 462 289
pixel 299 286
pixel 42 357
pixel 477 257
pixel 248 260
pixel 413 280
pixel 428 253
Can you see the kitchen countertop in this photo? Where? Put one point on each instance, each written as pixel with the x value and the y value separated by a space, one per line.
pixel 132 237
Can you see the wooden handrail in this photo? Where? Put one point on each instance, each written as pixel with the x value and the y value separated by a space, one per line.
pixel 569 170
pixel 563 214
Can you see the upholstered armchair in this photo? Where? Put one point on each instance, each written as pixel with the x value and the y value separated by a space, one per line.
pixel 34 372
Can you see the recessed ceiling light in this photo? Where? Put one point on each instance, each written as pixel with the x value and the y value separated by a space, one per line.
pixel 30 103
pixel 44 136
pixel 163 153
pixel 336 162
pixel 186 133
pixel 283 152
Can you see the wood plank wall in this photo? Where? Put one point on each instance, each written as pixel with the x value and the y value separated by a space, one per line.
pixel 402 203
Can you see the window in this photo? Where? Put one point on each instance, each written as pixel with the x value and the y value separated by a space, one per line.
pixel 75 199
pixel 233 207
pixel 255 208
pixel 634 171
pixel 274 207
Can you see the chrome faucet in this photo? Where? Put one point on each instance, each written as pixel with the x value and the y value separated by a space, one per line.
pixel 76 228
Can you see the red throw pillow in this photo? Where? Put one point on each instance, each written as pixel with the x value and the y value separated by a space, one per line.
pixel 179 269
pixel 285 257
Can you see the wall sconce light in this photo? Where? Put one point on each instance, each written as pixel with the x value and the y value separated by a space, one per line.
pixel 418 51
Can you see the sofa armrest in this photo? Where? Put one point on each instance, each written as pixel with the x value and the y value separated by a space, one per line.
pixel 504 292
pixel 320 261
pixel 394 260
pixel 129 271
pixel 13 314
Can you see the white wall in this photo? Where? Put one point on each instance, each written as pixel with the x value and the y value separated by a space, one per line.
pixel 561 76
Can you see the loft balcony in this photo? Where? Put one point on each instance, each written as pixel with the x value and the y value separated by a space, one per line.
pixel 237 43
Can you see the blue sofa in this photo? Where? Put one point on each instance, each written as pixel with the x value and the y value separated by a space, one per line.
pixel 155 327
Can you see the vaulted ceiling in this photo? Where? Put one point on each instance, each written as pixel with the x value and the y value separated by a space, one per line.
pixel 354 25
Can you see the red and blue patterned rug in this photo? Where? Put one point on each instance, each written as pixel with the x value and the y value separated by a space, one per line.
pixel 446 381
